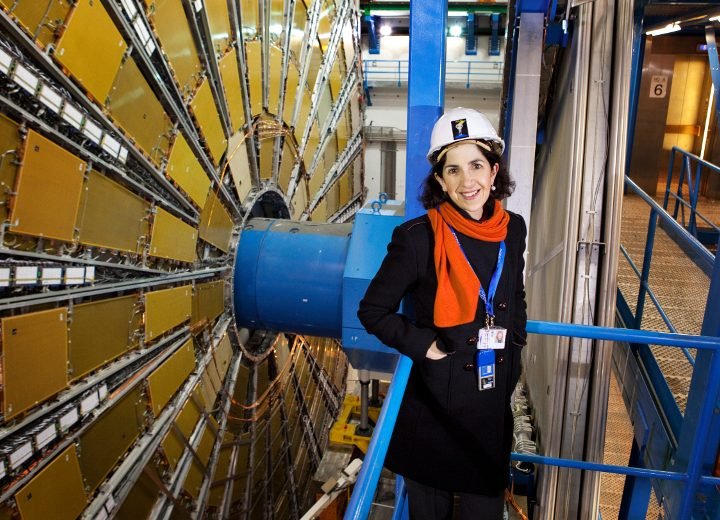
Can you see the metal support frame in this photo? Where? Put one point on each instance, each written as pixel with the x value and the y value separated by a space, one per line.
pixel 471 39
pixel 714 63
pixel 374 41
pixel 494 44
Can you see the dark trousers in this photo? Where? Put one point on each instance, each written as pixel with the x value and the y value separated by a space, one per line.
pixel 426 503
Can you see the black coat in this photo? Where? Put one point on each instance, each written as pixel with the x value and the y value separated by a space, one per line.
pixel 449 435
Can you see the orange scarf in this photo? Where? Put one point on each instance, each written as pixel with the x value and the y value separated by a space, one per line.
pixel 456 299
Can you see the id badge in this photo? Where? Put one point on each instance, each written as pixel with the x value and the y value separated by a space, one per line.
pixel 492 338
pixel 485 366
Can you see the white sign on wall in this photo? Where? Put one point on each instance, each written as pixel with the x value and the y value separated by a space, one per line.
pixel 658 86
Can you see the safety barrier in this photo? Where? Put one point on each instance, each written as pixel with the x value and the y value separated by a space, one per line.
pixel 692 476
pixel 462 71
pixel 693 184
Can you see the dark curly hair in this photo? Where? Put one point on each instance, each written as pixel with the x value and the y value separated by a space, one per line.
pixel 433 195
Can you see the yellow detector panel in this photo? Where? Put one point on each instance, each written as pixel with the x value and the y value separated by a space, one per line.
pixel 91 48
pixel 216 225
pixel 233 91
pixel 134 106
pixel 142 496
pixel 219 22
pixel 207 392
pixel 223 356
pixel 287 163
pixel 166 309
pixel 312 144
pixel 206 114
pixel 112 216
pixel 274 78
pixel 34 362
pixel 345 186
pixel 11 142
pixel 320 213
pixel 300 19
pixel 56 492
pixel 39 18
pixel 172 238
pixel 239 164
pixel 217 490
pixel 48 190
pixel 249 10
pixel 253 55
pixel 184 168
pixel 167 379
pixel 300 198
pixel 267 148
pixel 304 116
pixel 110 436
pixel 173 30
pixel 208 301
pixel 291 90
pixel 196 474
pixel 100 332
pixel 174 446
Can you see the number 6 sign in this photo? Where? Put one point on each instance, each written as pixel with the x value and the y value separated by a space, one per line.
pixel 658 86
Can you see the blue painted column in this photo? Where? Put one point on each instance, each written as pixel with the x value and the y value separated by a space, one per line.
pixel 700 434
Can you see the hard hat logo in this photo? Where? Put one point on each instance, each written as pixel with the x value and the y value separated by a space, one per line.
pixel 459 129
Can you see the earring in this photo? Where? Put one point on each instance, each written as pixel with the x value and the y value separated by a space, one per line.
pixel 493 187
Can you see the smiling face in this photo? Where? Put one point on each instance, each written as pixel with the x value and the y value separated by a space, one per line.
pixel 467 177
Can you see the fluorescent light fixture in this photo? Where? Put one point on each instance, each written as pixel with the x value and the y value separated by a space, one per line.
pixel 669 28
pixel 455 30
pixel 714 19
pixel 385 30
pixel 26 275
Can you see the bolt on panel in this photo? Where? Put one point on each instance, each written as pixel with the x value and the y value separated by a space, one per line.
pixel 206 114
pixel 56 492
pixel 173 30
pixel 172 238
pixel 166 309
pixel 112 216
pixel 33 343
pixel 196 474
pixel 91 48
pixel 230 75
pixel 219 22
pixel 239 164
pixel 167 379
pixel 133 104
pixel 103 444
pixel 184 168
pixel 142 497
pixel 274 77
pixel 173 445
pixel 216 225
pixel 49 185
pixel 253 53
pixel 100 332
pixel 39 17
pixel 11 142
pixel 208 301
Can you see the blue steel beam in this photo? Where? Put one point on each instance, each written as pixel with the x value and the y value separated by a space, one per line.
pixel 494 45
pixel 470 38
pixel 374 42
pixel 714 63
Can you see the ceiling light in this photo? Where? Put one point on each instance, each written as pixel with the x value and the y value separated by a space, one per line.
pixel 714 19
pixel 669 28
pixel 385 30
pixel 455 30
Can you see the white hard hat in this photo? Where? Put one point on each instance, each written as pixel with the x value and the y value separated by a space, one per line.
pixel 462 124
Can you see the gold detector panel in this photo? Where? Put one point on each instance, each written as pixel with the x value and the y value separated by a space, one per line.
pixel 110 436
pixel 223 355
pixel 166 309
pixel 39 17
pixel 173 446
pixel 134 105
pixel 205 111
pixel 254 68
pixel 34 364
pixel 291 91
pixel 10 142
pixel 112 216
pixel 239 165
pixel 48 190
pixel 219 22
pixel 215 223
pixel 142 496
pixel 274 77
pixel 196 473
pixel 91 48
pixel 184 168
pixel 100 332
pixel 208 301
pixel 173 30
pixel 233 93
pixel 169 377
pixel 56 492
pixel 172 238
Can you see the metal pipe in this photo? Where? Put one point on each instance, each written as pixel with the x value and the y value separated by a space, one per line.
pixel 364 428
pixel 375 393
pixel 645 275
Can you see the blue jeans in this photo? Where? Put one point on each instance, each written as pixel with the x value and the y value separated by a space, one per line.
pixel 427 503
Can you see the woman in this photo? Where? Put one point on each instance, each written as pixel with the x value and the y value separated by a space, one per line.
pixel 462 265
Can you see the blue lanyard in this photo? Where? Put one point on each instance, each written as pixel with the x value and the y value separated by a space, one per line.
pixel 488 298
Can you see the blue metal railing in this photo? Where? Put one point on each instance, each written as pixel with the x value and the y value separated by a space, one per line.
pixel 692 181
pixel 462 71
pixel 361 500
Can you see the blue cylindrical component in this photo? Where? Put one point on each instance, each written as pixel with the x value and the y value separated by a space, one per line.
pixel 289 276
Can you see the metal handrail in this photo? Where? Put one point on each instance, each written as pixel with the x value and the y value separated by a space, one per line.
pixel 692 185
pixel 361 500
pixel 396 71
